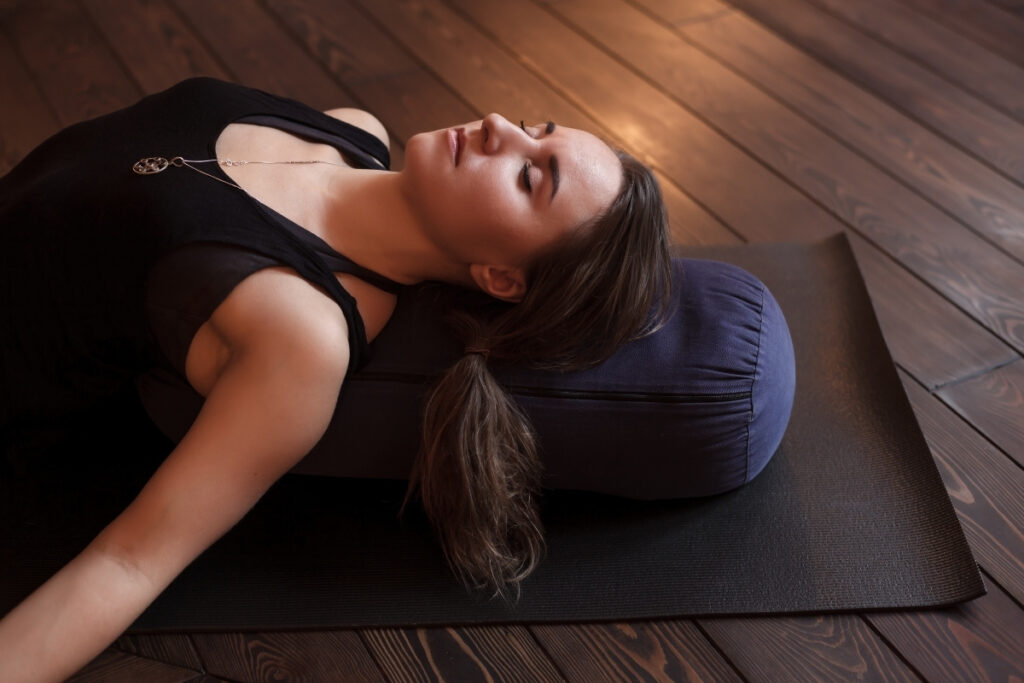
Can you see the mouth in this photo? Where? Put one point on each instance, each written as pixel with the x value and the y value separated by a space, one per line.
pixel 456 142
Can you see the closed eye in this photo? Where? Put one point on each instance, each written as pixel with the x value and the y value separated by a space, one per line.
pixel 526 177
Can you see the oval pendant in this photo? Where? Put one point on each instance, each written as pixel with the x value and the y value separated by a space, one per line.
pixel 150 165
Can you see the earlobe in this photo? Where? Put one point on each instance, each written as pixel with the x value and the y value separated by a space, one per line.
pixel 501 282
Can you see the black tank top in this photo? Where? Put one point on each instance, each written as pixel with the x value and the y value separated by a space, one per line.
pixel 106 275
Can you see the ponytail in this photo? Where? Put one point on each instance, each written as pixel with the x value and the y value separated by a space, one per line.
pixel 478 476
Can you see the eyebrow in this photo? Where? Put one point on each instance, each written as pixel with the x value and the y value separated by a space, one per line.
pixel 552 162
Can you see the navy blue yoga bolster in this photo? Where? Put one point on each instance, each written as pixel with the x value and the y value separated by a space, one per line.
pixel 697 408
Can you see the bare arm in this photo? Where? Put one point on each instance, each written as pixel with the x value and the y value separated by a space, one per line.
pixel 269 406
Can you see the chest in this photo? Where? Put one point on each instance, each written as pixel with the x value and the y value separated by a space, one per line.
pixel 297 192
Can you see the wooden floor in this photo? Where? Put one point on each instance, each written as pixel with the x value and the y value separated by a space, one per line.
pixel 900 122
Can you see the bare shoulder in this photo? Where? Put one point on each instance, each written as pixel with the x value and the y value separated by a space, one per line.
pixel 362 119
pixel 277 314
pixel 275 305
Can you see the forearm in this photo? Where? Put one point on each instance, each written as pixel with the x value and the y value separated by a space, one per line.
pixel 71 618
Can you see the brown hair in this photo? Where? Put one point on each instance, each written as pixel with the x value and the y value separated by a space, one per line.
pixel 478 474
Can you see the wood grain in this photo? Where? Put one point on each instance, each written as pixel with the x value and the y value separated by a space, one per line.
pixel 637 116
pixel 304 656
pixel 379 71
pixel 656 651
pixel 152 41
pixel 988 76
pixel 113 665
pixel 73 65
pixel 505 653
pixel 25 118
pixel 983 484
pixel 958 115
pixel 994 403
pixel 998 30
pixel 835 647
pixel 970 191
pixel 469 63
pixel 173 648
pixel 688 161
pixel 408 99
pixel 257 51
pixel 936 247
pixel 978 641
pixel 927 335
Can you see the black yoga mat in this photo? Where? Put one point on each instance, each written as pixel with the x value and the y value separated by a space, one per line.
pixel 850 515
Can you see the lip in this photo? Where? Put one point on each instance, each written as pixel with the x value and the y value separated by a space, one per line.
pixel 453 145
pixel 456 143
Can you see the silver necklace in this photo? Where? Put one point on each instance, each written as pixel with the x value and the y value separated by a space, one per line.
pixel 154 165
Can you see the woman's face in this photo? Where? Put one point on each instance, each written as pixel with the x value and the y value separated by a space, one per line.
pixel 492 192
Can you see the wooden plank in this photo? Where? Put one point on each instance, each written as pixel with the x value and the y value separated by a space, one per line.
pixel 505 653
pixel 690 222
pixel 999 31
pixel 926 335
pixel 959 116
pixel 974 68
pixel 114 665
pixel 25 118
pixel 968 189
pixel 172 648
pixel 408 99
pixel 258 52
pixel 659 651
pixel 642 120
pixel 471 65
pixel 379 71
pixel 1010 5
pixel 994 404
pixel 699 169
pixel 835 647
pixel 152 42
pixel 69 60
pixel 281 65
pixel 977 641
pixel 375 68
pixel 318 656
pixel 983 485
pixel 925 239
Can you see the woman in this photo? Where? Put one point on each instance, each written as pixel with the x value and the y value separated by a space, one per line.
pixel 200 269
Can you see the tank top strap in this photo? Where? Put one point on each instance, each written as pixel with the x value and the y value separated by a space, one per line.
pixel 342 264
pixel 361 148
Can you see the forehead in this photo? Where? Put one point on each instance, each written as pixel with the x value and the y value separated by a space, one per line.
pixel 591 174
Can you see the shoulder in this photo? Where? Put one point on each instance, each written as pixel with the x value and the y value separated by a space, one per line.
pixel 274 311
pixel 362 119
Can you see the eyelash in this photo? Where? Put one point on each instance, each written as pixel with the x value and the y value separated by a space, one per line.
pixel 526 166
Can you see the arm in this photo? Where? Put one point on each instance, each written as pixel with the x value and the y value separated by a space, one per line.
pixel 269 406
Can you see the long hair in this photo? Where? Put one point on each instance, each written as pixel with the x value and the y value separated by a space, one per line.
pixel 478 474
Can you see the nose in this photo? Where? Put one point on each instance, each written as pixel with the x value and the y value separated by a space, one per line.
pixel 500 133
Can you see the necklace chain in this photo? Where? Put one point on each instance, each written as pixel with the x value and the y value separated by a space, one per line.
pixel 154 165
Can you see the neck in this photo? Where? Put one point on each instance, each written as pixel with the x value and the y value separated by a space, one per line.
pixel 369 221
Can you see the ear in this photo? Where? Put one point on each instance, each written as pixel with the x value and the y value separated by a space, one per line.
pixel 501 282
